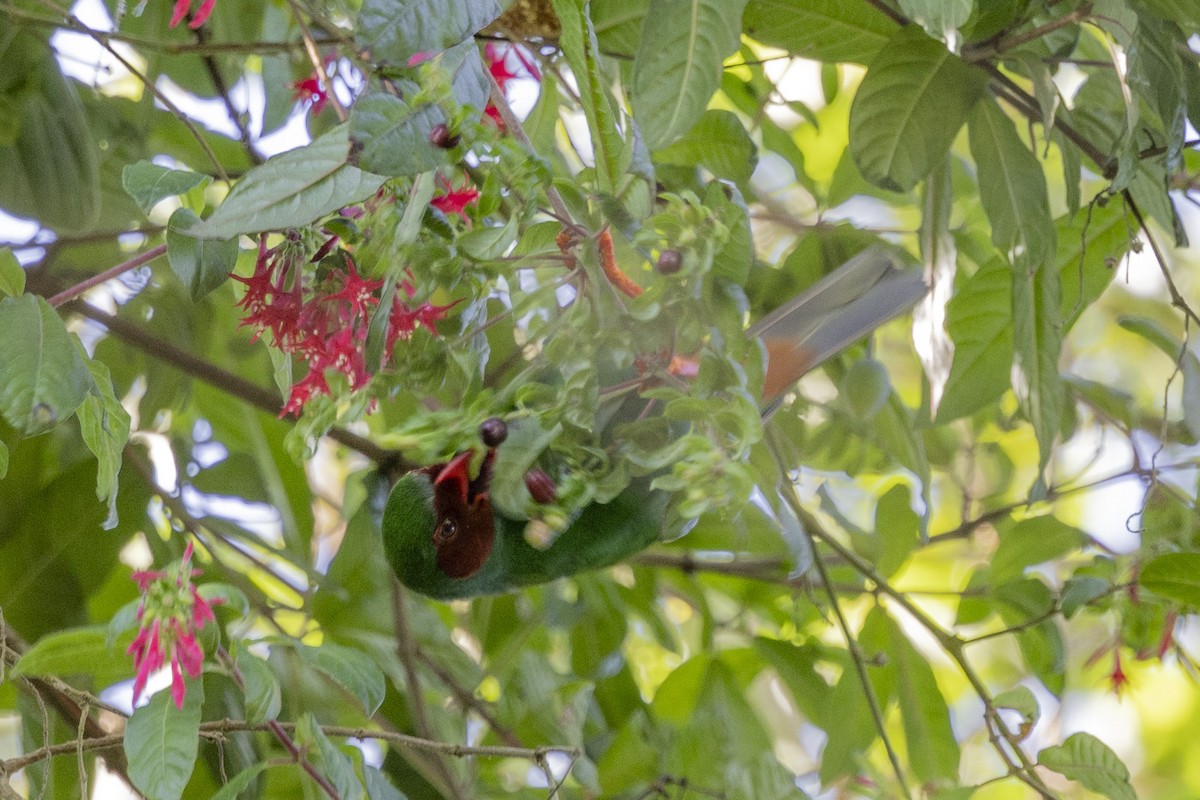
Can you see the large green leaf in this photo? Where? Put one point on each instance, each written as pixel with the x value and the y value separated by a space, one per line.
pixel 148 183
pixel 980 315
pixel 201 264
pixel 1175 576
pixel 12 274
pixel 331 762
pixel 823 30
pixel 79 651
pixel 391 137
pixel 1037 345
pixel 104 423
pixel 161 742
pixel 349 668
pixel 933 751
pixel 291 189
pixel 909 107
pixel 43 377
pixel 1084 758
pixel 1012 186
pixel 48 166
pixel 719 143
pixel 396 30
pixel 1032 541
pixel 678 65
pixel 579 45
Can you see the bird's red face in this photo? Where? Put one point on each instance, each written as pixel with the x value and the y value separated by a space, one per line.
pixel 465 529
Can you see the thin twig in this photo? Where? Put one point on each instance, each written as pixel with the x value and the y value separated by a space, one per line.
pixel 225 381
pixel 125 266
pixel 406 649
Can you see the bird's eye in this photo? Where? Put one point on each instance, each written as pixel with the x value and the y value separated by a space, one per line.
pixel 447 529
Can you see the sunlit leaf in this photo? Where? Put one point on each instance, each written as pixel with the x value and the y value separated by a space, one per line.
pixel 914 98
pixel 1086 759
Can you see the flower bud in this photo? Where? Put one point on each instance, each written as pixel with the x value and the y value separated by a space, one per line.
pixel 440 136
pixel 541 486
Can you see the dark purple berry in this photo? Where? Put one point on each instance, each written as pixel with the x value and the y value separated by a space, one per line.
pixel 493 431
pixel 669 262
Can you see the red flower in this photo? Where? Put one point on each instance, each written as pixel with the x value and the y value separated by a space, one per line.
pixel 455 200
pixel 310 89
pixel 171 612
pixel 182 7
pixel 498 64
pixel 326 323
pixel 1117 677
pixel 493 113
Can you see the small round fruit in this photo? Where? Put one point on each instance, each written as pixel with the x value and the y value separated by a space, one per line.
pixel 669 262
pixel 493 431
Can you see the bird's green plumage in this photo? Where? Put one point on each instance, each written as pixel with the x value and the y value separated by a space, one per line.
pixel 601 535
pixel 846 305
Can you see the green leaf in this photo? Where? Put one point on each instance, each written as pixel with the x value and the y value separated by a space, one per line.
pixel 328 759
pixel 291 189
pixel 391 137
pixel 12 274
pixel 239 783
pixel 1079 591
pixel 1037 345
pixel 938 17
pixel 1032 541
pixel 104 423
pixel 49 169
pixel 201 264
pixel 909 107
pixel 979 320
pixel 148 183
pixel 582 50
pixel 3 460
pixel 933 751
pixel 225 596
pixel 396 30
pixel 823 30
pixel 1012 186
pixel 161 743
pixel 378 787
pixel 678 65
pixel 351 669
pixel 979 317
pixel 79 651
pixel 1086 759
pixel 1175 576
pixel 263 698
pixel 1022 700
pixel 898 528
pixel 43 377
pixel 719 143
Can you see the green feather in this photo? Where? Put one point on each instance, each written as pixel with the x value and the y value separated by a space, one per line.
pixel 601 535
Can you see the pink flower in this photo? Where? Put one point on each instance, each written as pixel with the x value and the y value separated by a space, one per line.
pixel 171 612
pixel 182 7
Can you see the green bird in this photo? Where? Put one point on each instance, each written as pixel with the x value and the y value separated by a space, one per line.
pixel 443 538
